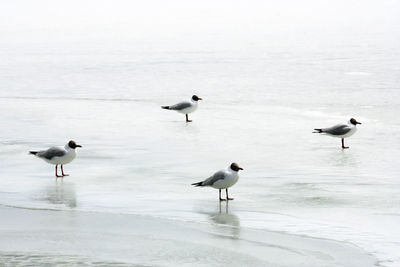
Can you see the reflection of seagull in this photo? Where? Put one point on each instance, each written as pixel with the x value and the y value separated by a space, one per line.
pixel 185 107
pixel 222 179
pixel 58 155
pixel 61 193
pixel 341 130
pixel 225 217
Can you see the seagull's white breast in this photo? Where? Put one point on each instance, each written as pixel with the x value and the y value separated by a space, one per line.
pixel 231 178
pixel 190 109
pixel 67 158
pixel 352 131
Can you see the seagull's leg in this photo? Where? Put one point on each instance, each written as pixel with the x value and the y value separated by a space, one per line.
pixel 187 118
pixel 220 199
pixel 344 147
pixel 227 198
pixel 56 171
pixel 62 171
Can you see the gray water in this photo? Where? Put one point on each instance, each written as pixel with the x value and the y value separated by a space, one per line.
pixel 266 82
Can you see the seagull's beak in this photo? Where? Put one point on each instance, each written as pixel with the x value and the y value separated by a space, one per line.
pixel 240 168
pixel 358 122
pixel 78 146
pixel 200 98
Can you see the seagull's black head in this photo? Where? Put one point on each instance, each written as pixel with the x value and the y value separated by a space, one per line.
pixel 72 144
pixel 196 98
pixel 354 122
pixel 235 167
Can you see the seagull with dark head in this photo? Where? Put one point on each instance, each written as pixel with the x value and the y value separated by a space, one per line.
pixel 185 107
pixel 58 155
pixel 222 179
pixel 341 130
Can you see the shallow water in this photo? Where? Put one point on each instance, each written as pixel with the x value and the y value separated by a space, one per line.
pixel 263 94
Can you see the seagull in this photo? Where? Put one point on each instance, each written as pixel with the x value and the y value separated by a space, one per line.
pixel 341 130
pixel 222 179
pixel 185 107
pixel 58 155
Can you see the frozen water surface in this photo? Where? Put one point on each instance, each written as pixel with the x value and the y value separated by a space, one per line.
pixel 266 81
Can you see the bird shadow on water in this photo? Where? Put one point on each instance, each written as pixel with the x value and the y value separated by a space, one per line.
pixel 60 193
pixel 342 158
pixel 189 127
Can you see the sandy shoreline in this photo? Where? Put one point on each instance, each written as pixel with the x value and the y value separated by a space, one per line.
pixel 43 237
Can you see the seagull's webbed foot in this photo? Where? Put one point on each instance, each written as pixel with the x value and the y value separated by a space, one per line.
pixel 227 197
pixel 58 176
pixel 62 172
pixel 222 199
pixel 344 147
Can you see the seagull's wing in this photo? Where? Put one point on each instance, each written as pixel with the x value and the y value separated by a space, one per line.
pixel 180 106
pixel 337 129
pixel 220 175
pixel 51 153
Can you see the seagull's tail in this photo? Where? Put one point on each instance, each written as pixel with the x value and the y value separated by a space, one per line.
pixel 318 131
pixel 33 152
pixel 198 184
pixel 165 107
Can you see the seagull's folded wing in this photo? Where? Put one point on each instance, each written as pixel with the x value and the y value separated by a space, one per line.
pixel 180 106
pixel 220 175
pixel 51 153
pixel 340 129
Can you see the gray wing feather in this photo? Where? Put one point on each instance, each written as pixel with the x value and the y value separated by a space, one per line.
pixel 220 175
pixel 337 129
pixel 51 153
pixel 180 106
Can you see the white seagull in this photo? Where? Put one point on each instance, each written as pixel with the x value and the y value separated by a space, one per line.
pixel 222 179
pixel 58 155
pixel 341 130
pixel 185 107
